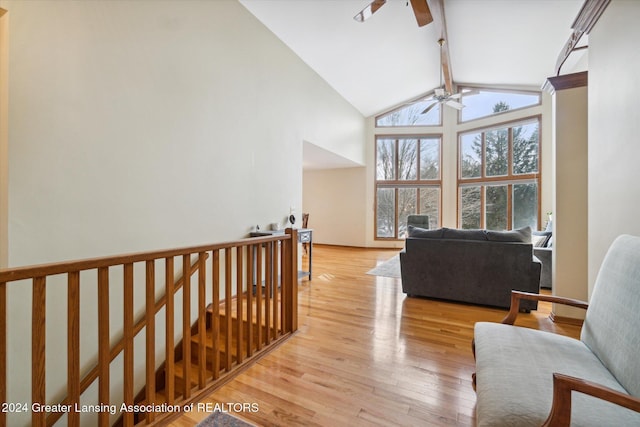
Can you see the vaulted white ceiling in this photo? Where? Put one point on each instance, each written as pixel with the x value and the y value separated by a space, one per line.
pixel 388 59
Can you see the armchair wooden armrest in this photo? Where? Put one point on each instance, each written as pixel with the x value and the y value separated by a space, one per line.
pixel 563 385
pixel 516 296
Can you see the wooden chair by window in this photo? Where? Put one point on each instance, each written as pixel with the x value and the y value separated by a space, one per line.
pixel 305 222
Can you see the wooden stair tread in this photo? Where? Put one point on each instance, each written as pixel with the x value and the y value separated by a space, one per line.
pixel 193 372
pixel 234 318
pixel 221 346
pixel 209 348
pixel 234 306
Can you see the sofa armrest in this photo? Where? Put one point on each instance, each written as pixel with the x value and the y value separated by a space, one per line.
pixel 517 296
pixel 563 385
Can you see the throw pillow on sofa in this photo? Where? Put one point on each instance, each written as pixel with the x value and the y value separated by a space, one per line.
pixel 540 239
pixel 520 235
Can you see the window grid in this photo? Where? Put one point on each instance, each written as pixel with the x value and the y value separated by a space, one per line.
pixel 394 200
pixel 470 201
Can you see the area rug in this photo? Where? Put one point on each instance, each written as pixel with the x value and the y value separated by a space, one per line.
pixel 389 268
pixel 222 419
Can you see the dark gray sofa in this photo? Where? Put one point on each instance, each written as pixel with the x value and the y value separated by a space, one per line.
pixel 473 266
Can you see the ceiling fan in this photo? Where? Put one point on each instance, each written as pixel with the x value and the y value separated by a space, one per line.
pixel 420 10
pixel 443 94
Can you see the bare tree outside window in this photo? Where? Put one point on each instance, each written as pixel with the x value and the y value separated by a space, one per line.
pixel 407 182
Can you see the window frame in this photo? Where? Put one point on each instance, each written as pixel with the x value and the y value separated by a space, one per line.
pixel 462 88
pixel 509 180
pixel 424 97
pixel 398 184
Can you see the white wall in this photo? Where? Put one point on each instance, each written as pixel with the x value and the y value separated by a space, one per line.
pixel 570 208
pixel 142 125
pixel 614 129
pixel 4 139
pixel 336 202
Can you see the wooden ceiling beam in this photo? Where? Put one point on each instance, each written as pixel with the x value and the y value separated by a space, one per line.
pixel 437 11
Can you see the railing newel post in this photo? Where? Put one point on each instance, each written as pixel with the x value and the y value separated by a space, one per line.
pixel 292 281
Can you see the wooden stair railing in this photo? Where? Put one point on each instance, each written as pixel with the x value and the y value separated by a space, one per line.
pixel 251 332
pixel 129 333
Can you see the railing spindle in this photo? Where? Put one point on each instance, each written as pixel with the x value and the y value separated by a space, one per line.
pixel 239 301
pixel 215 315
pixel 150 336
pixel 73 345
pixel 250 273
pixel 268 292
pixel 169 379
pixel 276 288
pixel 103 343
pixel 186 329
pixel 258 291
pixel 291 270
pixel 202 322
pixel 128 395
pixel 227 309
pixel 38 340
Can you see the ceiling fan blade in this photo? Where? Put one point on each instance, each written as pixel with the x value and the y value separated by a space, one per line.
pixel 439 92
pixel 422 12
pixel 454 104
pixel 429 108
pixel 369 10
pixel 469 92
pixel 456 96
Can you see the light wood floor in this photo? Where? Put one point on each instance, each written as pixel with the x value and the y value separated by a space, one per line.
pixel 366 355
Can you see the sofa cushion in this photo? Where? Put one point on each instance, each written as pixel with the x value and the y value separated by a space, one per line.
pixel 424 233
pixel 463 234
pixel 612 322
pixel 514 381
pixel 520 235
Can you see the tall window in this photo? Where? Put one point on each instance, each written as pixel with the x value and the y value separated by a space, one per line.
pixel 499 180
pixel 482 102
pixel 407 182
pixel 411 115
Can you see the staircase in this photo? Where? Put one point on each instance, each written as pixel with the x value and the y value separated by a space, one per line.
pixel 238 340
pixel 234 324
